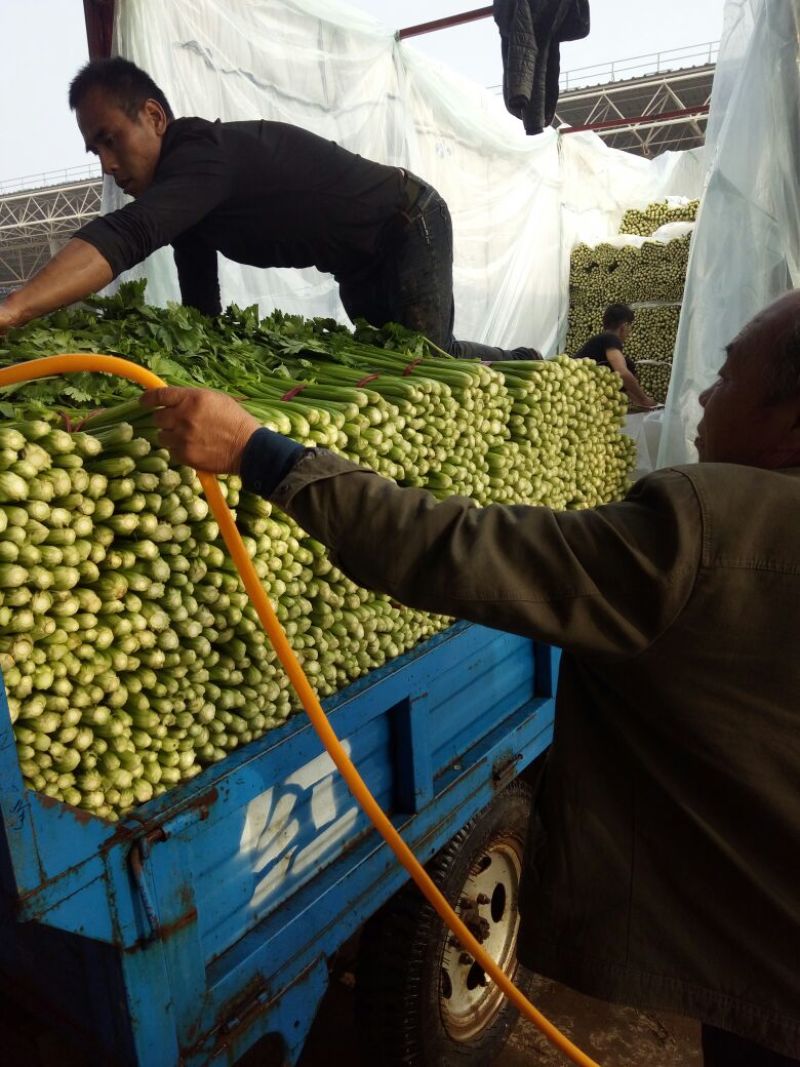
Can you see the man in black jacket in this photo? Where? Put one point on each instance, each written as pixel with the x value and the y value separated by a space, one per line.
pixel 263 193
pixel 530 34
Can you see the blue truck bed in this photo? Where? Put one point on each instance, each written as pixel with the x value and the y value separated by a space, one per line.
pixel 206 920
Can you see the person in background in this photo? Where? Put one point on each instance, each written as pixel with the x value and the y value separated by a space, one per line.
pixel 660 870
pixel 606 348
pixel 262 193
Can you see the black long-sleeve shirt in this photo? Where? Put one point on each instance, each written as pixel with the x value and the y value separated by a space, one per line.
pixel 598 347
pixel 267 194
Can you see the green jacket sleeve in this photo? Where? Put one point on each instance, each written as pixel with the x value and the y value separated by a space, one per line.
pixel 606 581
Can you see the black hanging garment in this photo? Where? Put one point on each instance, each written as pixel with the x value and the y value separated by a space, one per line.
pixel 530 34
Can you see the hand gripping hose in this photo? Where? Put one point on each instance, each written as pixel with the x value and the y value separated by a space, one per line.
pixel 74 362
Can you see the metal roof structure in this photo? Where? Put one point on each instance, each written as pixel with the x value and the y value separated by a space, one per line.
pixel 35 222
pixel 645 105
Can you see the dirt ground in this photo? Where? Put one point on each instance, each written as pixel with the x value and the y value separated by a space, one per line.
pixel 615 1036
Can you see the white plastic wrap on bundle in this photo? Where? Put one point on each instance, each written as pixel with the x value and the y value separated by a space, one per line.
pixel 671 231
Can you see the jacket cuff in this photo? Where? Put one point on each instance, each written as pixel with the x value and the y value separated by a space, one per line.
pixel 267 459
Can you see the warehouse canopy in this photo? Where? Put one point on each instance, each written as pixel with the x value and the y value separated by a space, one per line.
pixel 518 203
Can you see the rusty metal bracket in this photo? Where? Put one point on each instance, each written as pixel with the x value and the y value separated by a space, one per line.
pixel 139 853
pixel 137 857
pixel 505 771
pixel 233 1022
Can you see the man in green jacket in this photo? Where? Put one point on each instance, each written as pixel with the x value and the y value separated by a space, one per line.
pixel 661 869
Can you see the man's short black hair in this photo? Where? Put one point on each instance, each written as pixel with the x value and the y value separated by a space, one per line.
pixel 615 315
pixel 124 81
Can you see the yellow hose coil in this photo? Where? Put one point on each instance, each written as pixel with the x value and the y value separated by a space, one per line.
pixel 71 363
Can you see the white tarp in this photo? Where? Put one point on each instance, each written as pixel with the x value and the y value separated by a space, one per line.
pixel 746 244
pixel 518 203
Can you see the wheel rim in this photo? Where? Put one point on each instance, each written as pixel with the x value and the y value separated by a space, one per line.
pixel 469 1001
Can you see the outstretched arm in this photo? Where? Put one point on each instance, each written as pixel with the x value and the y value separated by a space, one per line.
pixel 617 363
pixel 605 581
pixel 198 274
pixel 73 273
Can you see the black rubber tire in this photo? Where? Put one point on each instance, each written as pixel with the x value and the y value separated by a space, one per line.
pixel 400 981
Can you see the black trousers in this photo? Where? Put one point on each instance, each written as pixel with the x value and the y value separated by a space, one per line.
pixel 723 1049
pixel 412 282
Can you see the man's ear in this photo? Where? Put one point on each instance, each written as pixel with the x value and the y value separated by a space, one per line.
pixel 156 116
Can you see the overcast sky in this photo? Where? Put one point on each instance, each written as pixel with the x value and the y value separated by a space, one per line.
pixel 45 43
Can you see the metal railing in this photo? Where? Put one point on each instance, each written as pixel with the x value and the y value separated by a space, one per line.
pixel 44 178
pixel 698 55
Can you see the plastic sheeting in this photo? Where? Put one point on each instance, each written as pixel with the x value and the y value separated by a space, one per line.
pixel 746 245
pixel 645 429
pixel 518 203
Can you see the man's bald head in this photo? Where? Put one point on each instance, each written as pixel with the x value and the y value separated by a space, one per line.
pixel 752 412
pixel 773 335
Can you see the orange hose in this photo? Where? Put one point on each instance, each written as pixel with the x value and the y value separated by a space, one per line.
pixel 73 362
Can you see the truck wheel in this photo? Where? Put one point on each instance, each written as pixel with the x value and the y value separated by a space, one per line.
pixel 421 1000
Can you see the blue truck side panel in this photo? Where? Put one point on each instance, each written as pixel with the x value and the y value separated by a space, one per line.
pixel 186 932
